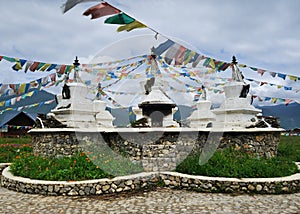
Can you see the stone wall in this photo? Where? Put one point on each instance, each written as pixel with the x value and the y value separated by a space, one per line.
pixel 135 182
pixel 157 151
pixel 290 184
pixel 49 144
pixel 150 180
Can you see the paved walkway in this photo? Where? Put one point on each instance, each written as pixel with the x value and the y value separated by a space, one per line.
pixel 159 201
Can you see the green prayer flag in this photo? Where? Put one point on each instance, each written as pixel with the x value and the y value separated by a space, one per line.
pixel 120 19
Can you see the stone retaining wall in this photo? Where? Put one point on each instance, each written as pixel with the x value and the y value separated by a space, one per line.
pixel 150 180
pixel 3 166
pixel 157 151
pixel 288 184
pixel 79 188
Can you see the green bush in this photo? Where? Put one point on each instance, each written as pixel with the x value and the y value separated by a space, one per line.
pixel 231 163
pixel 78 167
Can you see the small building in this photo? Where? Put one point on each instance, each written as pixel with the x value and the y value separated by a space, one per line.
pixel 17 123
pixel 158 109
pixel 18 118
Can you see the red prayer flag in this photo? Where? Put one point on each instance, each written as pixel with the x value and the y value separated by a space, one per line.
pixel 62 69
pixel 102 9
pixel 180 55
pixel 34 66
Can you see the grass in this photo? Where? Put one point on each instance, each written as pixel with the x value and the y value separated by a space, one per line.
pixel 289 147
pixel 15 140
pixel 8 154
pixel 12 147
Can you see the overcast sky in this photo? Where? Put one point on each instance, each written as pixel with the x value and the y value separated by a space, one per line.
pixel 261 33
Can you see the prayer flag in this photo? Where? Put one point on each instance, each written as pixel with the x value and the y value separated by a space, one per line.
pixel 223 66
pixel 242 65
pixel 188 56
pixel 45 66
pixel 131 26
pixel 62 69
pixel 52 66
pixel 163 47
pixel 102 9
pixel 72 3
pixel 292 77
pixel 171 53
pixel 34 66
pixel 287 88
pixel 197 59
pixel 40 65
pixel 180 55
pixel 10 59
pixel 28 64
pixel 120 19
pixel 274 100
pixel 283 76
pixel 261 71
pixel 19 64
pixel 287 101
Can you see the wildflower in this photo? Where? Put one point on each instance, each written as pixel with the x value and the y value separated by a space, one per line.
pixel 18 157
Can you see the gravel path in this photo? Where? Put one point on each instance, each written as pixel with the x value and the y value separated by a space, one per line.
pixel 158 201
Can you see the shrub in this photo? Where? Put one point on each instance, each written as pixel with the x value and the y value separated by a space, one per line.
pixel 231 163
pixel 77 167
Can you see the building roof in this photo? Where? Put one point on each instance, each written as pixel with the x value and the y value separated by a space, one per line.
pixel 13 114
pixel 156 96
pixel 38 97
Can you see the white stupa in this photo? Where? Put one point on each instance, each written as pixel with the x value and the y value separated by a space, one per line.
pixel 75 110
pixel 235 112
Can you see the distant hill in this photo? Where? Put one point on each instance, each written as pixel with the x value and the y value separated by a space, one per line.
pixel 289 116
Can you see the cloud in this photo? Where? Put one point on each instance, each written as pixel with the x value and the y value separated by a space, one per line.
pixel 263 34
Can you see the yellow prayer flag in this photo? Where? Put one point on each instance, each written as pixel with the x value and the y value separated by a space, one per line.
pixel 30 94
pixel 44 67
pixel 131 26
pixel 274 100
pixel 292 77
pixel 18 65
pixel 22 88
pixel 242 65
pixel 212 64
